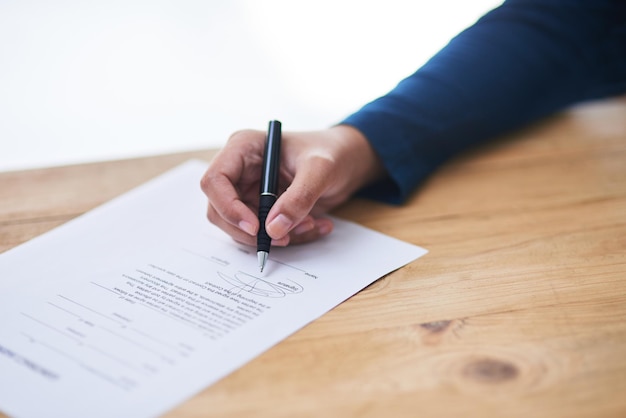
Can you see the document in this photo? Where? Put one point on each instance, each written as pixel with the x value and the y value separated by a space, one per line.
pixel 139 304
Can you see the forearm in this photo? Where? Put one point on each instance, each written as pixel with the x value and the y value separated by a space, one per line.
pixel 520 62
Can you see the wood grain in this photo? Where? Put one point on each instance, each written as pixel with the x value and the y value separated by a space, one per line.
pixel 519 309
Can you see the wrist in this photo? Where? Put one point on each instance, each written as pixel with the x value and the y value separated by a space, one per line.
pixel 357 153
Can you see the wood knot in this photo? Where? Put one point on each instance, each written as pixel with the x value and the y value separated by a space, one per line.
pixel 436 326
pixel 490 371
pixel 434 332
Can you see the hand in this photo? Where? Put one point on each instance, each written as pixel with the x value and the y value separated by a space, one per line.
pixel 319 170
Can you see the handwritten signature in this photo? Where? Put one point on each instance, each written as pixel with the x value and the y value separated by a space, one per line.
pixel 261 287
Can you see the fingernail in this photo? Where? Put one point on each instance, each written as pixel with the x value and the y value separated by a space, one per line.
pixel 304 227
pixel 283 242
pixel 279 227
pixel 247 227
pixel 324 228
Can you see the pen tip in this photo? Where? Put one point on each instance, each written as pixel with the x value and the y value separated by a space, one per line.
pixel 262 256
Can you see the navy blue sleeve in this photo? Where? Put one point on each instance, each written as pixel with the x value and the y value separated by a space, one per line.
pixel 520 62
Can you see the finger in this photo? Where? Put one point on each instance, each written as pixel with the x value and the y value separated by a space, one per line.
pixel 231 172
pixel 311 180
pixel 321 228
pixel 226 206
pixel 237 232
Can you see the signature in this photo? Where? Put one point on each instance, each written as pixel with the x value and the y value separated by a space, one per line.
pixel 261 287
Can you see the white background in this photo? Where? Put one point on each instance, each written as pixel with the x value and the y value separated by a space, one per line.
pixel 92 80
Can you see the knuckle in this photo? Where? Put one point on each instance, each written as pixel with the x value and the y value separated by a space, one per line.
pixel 305 199
pixel 212 215
pixel 206 180
pixel 242 135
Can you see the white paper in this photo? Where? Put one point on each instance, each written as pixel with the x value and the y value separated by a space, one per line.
pixel 141 303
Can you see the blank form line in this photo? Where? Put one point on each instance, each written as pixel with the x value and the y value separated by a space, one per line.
pixel 117 359
pixel 105 288
pixel 157 340
pixel 64 310
pixel 106 377
pixel 52 328
pixel 287 265
pixel 211 258
pixel 62 353
pixel 51 347
pixel 135 343
pixel 91 310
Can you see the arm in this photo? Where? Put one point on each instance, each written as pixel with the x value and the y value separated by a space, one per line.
pixel 520 62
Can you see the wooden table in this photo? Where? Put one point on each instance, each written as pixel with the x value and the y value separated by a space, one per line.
pixel 519 309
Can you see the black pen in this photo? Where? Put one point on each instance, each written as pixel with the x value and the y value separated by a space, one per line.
pixel 269 188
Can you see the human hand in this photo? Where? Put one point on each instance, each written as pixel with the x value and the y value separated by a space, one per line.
pixel 319 170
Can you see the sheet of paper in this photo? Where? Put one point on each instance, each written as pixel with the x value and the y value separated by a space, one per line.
pixel 141 303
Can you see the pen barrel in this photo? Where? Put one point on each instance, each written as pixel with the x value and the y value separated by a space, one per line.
pixel 265 204
pixel 271 159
